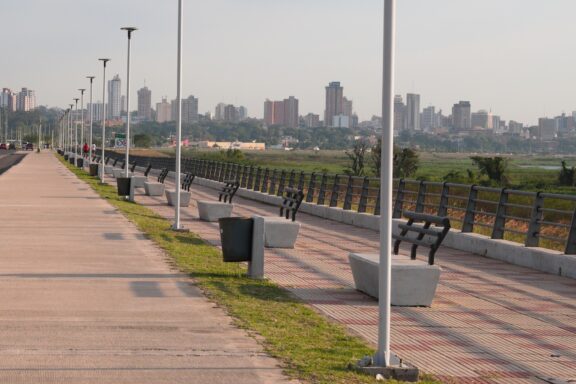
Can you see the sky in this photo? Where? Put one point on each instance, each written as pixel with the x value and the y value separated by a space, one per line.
pixel 514 57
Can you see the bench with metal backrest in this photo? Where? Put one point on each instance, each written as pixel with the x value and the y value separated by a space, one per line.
pixel 185 194
pixel 148 169
pixel 114 163
pixel 187 181
pixel 282 231
pixel 426 235
pixel 133 167
pixel 414 281
pixel 163 174
pixel 156 188
pixel 209 210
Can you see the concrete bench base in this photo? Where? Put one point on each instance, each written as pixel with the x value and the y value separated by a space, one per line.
pixel 414 282
pixel 138 181
pixel 280 232
pixel 213 210
pixel 117 172
pixel 184 198
pixel 154 188
pixel 108 169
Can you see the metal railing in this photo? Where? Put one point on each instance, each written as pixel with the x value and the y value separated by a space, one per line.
pixel 532 218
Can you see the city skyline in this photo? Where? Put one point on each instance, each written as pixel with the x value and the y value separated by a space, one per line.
pixel 519 67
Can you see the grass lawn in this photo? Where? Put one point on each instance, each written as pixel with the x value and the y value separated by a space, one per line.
pixel 310 347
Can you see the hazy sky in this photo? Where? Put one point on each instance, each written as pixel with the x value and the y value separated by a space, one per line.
pixel 515 57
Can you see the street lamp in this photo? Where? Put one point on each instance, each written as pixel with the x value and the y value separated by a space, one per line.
pixel 82 123
pixel 104 61
pixel 91 119
pixel 176 225
pixel 129 30
pixel 76 133
pixel 70 129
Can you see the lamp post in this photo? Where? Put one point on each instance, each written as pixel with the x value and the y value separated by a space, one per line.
pixel 76 134
pixel 91 120
pixel 382 357
pixel 176 225
pixel 104 61
pixel 129 30
pixel 82 123
pixel 70 129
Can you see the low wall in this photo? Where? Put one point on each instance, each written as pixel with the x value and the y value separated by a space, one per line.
pixel 540 259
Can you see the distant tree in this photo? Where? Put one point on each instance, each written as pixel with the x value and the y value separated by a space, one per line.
pixel 357 158
pixel 566 176
pixel 405 162
pixel 142 140
pixel 495 168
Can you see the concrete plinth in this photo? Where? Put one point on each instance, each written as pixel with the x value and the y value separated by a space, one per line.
pixel 280 232
pixel 154 189
pixel 108 169
pixel 213 210
pixel 138 181
pixel 397 370
pixel 117 172
pixel 184 198
pixel 414 282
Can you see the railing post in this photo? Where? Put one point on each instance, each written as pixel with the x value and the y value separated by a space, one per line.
pixel 292 179
pixel 335 191
pixel 468 224
pixel 571 240
pixel 250 178
pixel 272 189
pixel 349 193
pixel 398 204
pixel 301 181
pixel 420 200
pixel 264 188
pixel 533 234
pixel 311 188
pixel 258 179
pixel 282 183
pixel 322 192
pixel 364 196
pixel 443 206
pixel 244 171
pixel 500 219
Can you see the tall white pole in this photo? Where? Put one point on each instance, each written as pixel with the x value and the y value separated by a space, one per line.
pixel 91 120
pixel 126 167
pixel 82 124
pixel 104 61
pixel 76 134
pixel 70 130
pixel 178 119
pixel 382 357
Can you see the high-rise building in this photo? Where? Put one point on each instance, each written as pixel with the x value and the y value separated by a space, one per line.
pixel 334 98
pixel 481 120
pixel 163 111
pixel 231 113
pixel 291 112
pixel 340 121
pixel 399 114
pixel 283 112
pixel 189 110
pixel 546 129
pixel 114 98
pixel 268 112
pixel 145 103
pixel 429 120
pixel 412 112
pixel 96 111
pixel 515 128
pixel 461 120
pixel 347 107
pixel 311 120
pixel 123 103
pixel 25 100
pixel 241 113
pixel 219 112
pixel 8 99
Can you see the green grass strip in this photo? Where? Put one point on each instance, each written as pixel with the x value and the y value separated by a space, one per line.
pixel 310 347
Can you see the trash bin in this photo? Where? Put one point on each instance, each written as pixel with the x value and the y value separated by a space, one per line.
pixel 71 159
pixel 65 156
pixel 236 238
pixel 94 169
pixel 80 162
pixel 123 186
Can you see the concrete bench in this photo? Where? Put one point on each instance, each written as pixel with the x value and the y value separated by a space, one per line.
pixel 414 282
pixel 184 198
pixel 156 188
pixel 213 210
pixel 282 231
pixel 117 172
pixel 139 180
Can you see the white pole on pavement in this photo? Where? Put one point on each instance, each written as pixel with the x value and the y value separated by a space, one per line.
pixel 82 124
pixel 382 357
pixel 178 119
pixel 126 167
pixel 70 129
pixel 76 134
pixel 91 120
pixel 104 61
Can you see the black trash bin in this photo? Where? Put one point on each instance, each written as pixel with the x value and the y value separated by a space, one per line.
pixel 236 238
pixel 65 156
pixel 80 162
pixel 71 160
pixel 94 169
pixel 123 186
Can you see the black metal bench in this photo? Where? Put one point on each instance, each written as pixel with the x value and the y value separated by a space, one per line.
pixel 106 160
pixel 114 163
pixel 162 175
pixel 133 167
pixel 187 181
pixel 228 191
pixel 427 235
pixel 291 202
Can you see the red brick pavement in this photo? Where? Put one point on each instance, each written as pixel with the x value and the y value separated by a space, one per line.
pixel 491 322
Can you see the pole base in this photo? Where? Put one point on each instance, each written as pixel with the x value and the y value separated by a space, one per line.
pixel 397 369
pixel 181 229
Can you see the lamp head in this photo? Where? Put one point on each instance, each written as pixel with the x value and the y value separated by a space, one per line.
pixel 130 30
pixel 104 61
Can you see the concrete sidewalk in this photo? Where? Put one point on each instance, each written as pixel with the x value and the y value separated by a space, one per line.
pixel 85 298
pixel 490 323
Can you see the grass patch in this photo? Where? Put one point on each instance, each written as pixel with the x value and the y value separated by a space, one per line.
pixel 311 348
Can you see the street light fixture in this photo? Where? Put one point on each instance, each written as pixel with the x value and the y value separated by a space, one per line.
pixel 176 225
pixel 70 129
pixel 91 119
pixel 104 61
pixel 126 168
pixel 76 133
pixel 82 123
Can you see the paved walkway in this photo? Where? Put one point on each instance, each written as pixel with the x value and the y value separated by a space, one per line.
pixel 491 322
pixel 85 298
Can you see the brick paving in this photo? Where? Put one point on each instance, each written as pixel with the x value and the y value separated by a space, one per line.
pixel 491 322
